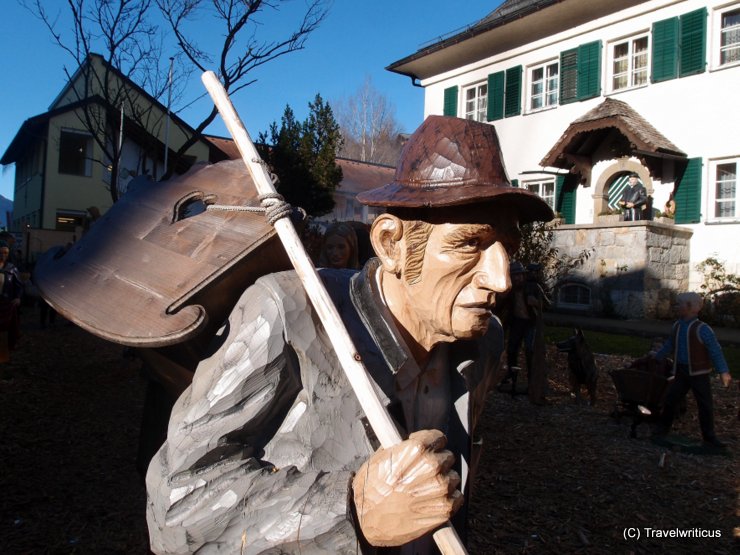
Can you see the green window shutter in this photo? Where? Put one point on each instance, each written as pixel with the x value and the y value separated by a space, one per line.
pixel 693 54
pixel 588 82
pixel 665 50
pixel 450 106
pixel 559 180
pixel 688 194
pixel 565 199
pixel 568 76
pixel 495 96
pixel 515 183
pixel 513 94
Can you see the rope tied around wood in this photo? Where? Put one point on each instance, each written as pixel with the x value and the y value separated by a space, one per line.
pixel 272 204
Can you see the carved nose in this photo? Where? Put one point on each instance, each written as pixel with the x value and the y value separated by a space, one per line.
pixel 493 273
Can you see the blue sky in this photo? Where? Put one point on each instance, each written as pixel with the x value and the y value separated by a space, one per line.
pixel 358 39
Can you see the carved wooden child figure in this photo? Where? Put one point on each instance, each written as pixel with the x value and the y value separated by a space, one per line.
pixel 269 450
pixel 695 351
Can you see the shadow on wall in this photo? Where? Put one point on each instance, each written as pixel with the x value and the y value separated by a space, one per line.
pixel 625 294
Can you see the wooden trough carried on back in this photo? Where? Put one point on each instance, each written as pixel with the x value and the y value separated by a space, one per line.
pixel 158 271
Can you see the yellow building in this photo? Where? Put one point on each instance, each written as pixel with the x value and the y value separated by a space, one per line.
pixel 61 167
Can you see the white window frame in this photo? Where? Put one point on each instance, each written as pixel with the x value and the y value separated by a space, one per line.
pixel 714 183
pixel 547 101
pixel 717 34
pixel 610 59
pixel 479 109
pixel 537 186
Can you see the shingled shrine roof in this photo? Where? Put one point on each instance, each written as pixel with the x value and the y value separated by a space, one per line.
pixel 584 135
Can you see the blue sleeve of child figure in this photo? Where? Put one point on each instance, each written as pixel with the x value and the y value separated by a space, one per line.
pixel 666 349
pixel 715 349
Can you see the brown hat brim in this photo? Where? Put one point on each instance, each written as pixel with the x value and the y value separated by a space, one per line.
pixel 531 207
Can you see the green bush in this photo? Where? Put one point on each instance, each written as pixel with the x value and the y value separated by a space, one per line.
pixel 721 292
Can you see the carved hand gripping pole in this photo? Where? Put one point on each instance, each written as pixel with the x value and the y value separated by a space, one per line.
pixel 446 537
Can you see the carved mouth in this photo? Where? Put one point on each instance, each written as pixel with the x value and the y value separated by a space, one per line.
pixel 479 308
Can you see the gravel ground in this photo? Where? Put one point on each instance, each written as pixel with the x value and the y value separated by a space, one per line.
pixel 560 478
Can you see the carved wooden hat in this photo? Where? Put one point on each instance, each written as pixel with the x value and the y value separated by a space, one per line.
pixel 450 162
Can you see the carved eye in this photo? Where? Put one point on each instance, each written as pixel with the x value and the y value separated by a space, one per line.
pixel 473 243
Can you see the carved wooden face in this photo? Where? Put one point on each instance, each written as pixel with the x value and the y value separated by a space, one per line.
pixel 464 266
pixel 686 309
pixel 337 250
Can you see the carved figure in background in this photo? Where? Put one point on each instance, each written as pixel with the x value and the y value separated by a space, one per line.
pixel 695 350
pixel 537 301
pixel 11 289
pixel 339 247
pixel 634 198
pixel 521 313
pixel 670 207
pixel 519 323
pixel 582 369
pixel 268 449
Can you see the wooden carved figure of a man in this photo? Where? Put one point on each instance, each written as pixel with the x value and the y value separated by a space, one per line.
pixel 633 200
pixel 268 451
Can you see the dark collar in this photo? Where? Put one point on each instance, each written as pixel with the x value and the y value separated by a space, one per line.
pixel 374 313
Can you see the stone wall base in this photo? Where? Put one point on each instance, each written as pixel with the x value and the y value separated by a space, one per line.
pixel 636 268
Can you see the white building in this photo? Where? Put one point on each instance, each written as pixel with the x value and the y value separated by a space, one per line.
pixel 582 92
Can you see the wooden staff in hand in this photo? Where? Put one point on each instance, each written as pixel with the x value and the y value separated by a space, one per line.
pixel 269 449
pixel 446 538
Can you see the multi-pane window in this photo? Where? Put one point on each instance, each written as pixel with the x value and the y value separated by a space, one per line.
pixel 476 102
pixel 544 86
pixel 630 63
pixel 725 187
pixel 729 49
pixel 75 152
pixel 574 295
pixel 545 189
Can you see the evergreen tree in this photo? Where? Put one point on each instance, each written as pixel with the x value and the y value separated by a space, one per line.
pixel 321 142
pixel 303 156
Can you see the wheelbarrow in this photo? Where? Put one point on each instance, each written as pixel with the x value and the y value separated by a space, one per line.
pixel 641 390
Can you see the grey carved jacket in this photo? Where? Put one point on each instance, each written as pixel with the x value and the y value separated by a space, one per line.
pixel 262 447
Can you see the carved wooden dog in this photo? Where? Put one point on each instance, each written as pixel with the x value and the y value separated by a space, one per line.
pixel 581 365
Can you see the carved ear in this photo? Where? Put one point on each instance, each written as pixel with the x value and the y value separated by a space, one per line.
pixel 385 235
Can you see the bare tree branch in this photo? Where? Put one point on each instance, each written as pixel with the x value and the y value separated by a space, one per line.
pixel 369 127
pixel 124 33
pixel 242 49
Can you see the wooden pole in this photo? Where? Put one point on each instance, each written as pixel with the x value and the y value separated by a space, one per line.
pixel 446 537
